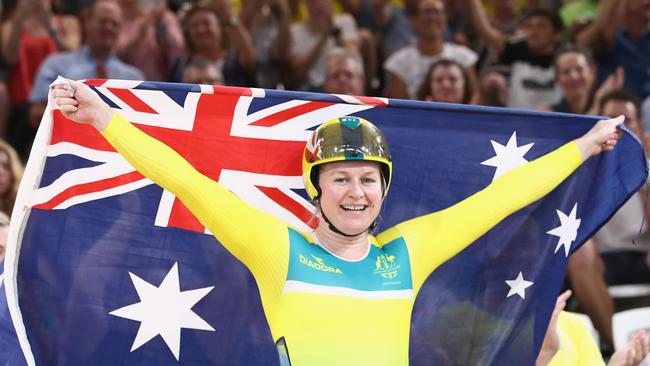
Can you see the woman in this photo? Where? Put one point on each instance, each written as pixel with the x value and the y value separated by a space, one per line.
pixel 575 74
pixel 29 35
pixel 447 82
pixel 11 171
pixel 337 295
pixel 219 36
pixel 151 38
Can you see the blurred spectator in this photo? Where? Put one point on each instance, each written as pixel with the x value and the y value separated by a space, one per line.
pixel 531 80
pixel 619 37
pixel 202 71
pixel 448 82
pixel 389 25
pixel 29 35
pixel 4 234
pixel 569 342
pixel 96 59
pixel 268 22
pixel 314 38
pixel 575 74
pixel 11 171
pixel 214 33
pixel 150 38
pixel 625 261
pixel 617 253
pixel 344 73
pixel 492 90
pixel 407 68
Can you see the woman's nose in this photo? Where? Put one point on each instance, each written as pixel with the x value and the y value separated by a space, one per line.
pixel 356 190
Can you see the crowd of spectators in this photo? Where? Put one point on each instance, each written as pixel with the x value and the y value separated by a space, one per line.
pixel 575 56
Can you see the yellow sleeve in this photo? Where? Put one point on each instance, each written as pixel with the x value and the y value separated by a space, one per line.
pixel 254 237
pixel 577 346
pixel 434 238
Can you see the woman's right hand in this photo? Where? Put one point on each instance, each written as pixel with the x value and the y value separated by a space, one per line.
pixel 81 104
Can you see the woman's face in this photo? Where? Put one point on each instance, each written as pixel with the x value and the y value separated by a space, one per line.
pixel 574 74
pixel 447 84
pixel 5 173
pixel 351 194
pixel 203 30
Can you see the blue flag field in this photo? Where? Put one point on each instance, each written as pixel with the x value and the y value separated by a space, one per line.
pixel 106 268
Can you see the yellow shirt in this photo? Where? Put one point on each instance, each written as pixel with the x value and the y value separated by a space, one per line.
pixel 328 310
pixel 577 346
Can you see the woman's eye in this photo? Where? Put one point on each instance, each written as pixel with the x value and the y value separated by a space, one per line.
pixel 340 180
pixel 368 180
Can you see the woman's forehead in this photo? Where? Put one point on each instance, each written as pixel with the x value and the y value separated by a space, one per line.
pixel 350 166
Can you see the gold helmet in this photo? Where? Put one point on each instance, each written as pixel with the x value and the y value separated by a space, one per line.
pixel 341 139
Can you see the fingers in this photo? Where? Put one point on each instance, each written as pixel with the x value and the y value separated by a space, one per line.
pixel 616 121
pixel 637 348
pixel 565 295
pixel 644 344
pixel 560 303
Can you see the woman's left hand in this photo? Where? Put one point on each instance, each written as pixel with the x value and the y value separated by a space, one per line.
pixel 602 137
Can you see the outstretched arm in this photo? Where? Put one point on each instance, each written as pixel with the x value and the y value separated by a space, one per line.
pixel 246 232
pixel 434 238
pixel 493 37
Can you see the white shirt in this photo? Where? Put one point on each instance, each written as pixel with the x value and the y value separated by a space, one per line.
pixel 411 66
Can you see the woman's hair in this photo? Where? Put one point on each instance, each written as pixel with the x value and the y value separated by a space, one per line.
pixel 572 49
pixel 425 88
pixel 8 198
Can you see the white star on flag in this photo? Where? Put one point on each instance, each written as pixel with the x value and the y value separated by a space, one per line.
pixel 507 157
pixel 518 286
pixel 164 310
pixel 568 229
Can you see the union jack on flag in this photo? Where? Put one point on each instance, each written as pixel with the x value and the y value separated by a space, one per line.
pixel 100 257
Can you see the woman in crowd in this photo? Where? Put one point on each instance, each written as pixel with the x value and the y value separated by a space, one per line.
pixel 575 74
pixel 447 82
pixel 217 35
pixel 151 38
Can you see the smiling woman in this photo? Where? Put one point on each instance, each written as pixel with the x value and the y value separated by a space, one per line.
pixel 347 170
pixel 337 295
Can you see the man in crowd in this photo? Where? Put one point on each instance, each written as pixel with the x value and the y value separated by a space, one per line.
pixel 95 60
pixel 618 253
pixel 407 68
pixel 344 73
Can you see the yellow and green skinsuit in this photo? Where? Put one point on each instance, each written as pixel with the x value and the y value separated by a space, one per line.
pixel 328 310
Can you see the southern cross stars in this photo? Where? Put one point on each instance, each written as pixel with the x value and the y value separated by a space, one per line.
pixel 567 231
pixel 164 310
pixel 507 157
pixel 518 286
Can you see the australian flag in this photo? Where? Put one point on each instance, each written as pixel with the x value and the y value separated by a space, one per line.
pixel 106 268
